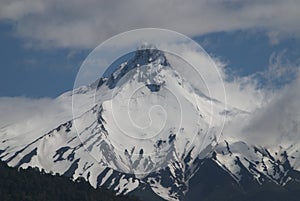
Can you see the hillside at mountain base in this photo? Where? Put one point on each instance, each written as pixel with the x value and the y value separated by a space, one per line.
pixel 33 185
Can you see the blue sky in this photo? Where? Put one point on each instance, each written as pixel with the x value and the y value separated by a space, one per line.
pixel 43 44
pixel 34 72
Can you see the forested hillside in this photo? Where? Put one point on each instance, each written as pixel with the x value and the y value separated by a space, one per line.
pixel 32 185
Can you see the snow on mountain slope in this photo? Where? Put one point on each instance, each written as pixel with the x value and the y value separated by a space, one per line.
pixel 250 162
pixel 147 126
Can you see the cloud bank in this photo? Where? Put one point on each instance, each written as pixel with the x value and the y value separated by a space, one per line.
pixel 85 24
pixel 277 123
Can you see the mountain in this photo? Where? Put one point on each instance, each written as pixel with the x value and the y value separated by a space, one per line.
pixel 113 141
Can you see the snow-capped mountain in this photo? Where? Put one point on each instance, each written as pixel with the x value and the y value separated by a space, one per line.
pixel 117 144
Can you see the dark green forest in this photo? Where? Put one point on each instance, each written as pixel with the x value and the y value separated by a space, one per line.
pixel 32 185
pixel 209 184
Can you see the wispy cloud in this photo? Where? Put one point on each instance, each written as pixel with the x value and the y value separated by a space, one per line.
pixel 84 24
pixel 280 71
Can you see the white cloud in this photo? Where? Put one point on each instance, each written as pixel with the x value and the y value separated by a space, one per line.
pixel 280 70
pixel 30 118
pixel 276 121
pixel 85 24
pixel 17 109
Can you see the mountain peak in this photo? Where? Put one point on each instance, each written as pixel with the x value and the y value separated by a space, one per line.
pixel 148 53
pixel 147 60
